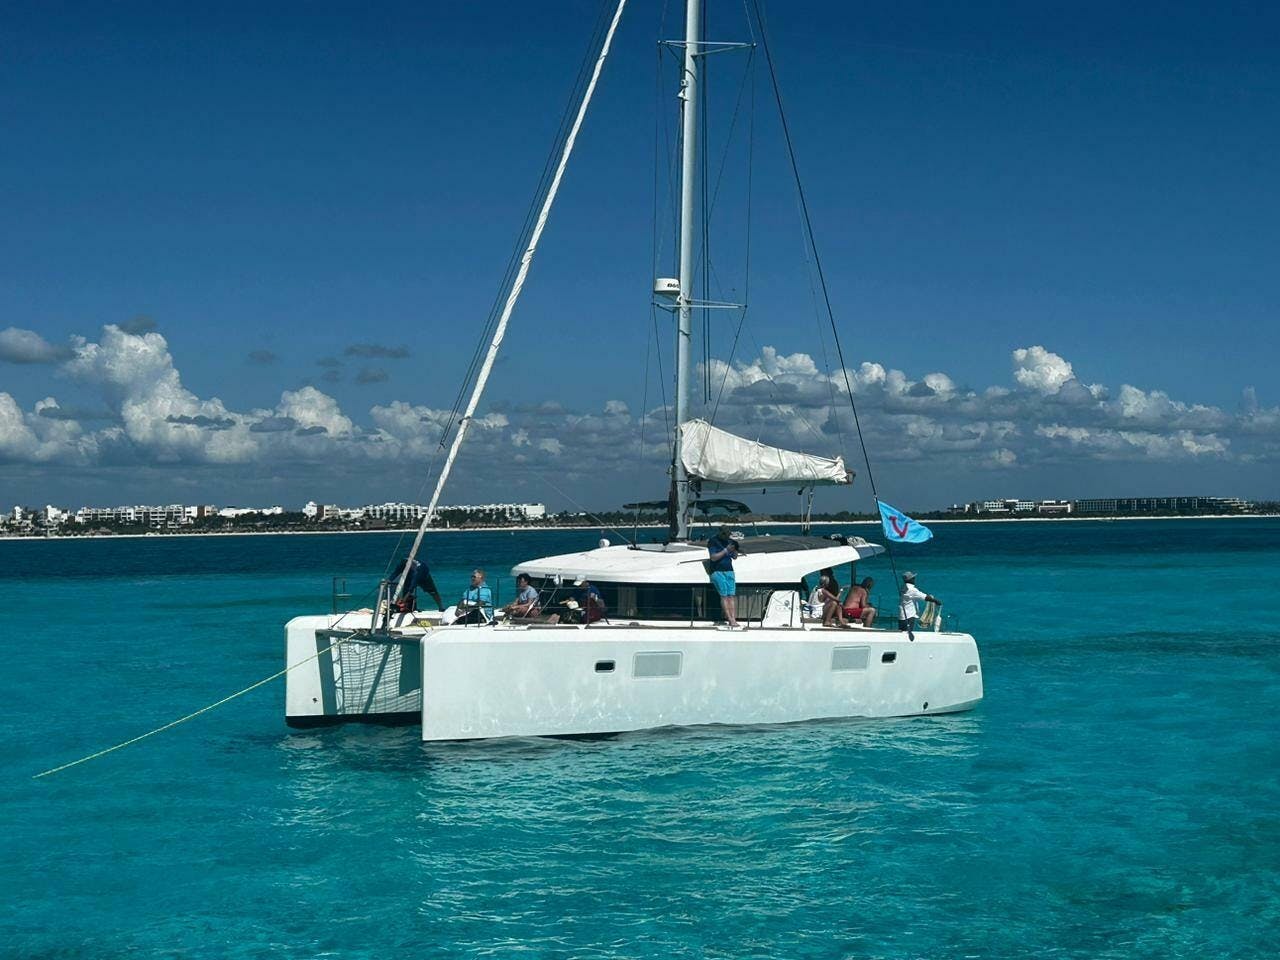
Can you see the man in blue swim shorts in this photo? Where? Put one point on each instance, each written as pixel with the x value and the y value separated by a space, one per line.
pixel 723 548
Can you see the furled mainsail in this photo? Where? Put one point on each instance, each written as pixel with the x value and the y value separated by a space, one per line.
pixel 717 456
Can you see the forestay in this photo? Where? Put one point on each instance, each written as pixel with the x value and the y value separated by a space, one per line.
pixel 717 456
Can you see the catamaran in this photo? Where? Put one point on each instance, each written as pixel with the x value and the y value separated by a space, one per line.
pixel 659 656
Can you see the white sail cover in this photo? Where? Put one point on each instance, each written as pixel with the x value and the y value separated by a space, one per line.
pixel 717 456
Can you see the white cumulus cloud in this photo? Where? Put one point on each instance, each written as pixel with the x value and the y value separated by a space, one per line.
pixel 146 415
pixel 1041 370
pixel 27 346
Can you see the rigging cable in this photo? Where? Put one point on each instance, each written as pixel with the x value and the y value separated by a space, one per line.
pixel 599 520
pixel 659 153
pixel 704 256
pixel 530 219
pixel 513 295
pixel 704 78
pixel 662 383
pixel 513 261
pixel 644 410
pixel 746 279
pixel 817 261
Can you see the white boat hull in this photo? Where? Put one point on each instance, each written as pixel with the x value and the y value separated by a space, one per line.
pixel 504 681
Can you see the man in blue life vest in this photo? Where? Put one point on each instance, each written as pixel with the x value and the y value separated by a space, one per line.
pixel 722 549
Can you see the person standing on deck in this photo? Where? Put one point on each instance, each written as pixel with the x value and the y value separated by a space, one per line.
pixel 908 612
pixel 722 549
pixel 419 578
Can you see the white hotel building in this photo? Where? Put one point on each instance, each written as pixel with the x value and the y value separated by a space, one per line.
pixel 402 513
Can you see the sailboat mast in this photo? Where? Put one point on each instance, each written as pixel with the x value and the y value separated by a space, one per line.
pixel 688 185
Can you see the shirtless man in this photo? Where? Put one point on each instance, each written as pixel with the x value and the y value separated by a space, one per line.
pixel 857 605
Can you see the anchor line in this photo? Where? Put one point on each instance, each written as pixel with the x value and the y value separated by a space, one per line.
pixel 191 716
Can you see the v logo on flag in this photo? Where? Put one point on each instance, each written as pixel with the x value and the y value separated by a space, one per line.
pixel 898 526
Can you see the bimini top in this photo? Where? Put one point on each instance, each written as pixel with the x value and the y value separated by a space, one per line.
pixel 764 560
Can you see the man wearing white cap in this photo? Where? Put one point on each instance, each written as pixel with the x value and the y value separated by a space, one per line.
pixel 908 613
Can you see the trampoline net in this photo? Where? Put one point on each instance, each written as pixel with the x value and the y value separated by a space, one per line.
pixel 375 675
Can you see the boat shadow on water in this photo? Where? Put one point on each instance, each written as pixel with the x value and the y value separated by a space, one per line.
pixel 396 751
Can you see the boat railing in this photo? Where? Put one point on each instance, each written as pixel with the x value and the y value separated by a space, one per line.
pixel 338 594
pixel 381 617
pixel 700 605
pixel 383 607
pixel 886 606
pixel 695 605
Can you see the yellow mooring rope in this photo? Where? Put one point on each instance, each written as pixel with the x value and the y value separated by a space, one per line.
pixel 190 716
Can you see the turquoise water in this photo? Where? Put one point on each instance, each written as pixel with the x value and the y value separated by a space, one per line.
pixel 1116 795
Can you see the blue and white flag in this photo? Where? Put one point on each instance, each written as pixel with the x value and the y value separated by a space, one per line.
pixel 898 526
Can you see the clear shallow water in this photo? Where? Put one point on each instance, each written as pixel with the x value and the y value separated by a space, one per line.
pixel 1116 795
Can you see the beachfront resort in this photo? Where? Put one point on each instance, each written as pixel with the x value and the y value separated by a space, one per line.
pixel 54 521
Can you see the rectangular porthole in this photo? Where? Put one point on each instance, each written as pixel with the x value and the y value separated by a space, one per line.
pixel 850 658
pixel 889 656
pixel 971 668
pixel 651 665
pixel 604 666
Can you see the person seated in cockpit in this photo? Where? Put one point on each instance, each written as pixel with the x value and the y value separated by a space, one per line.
pixel 476 605
pixel 526 605
pixel 857 604
pixel 585 606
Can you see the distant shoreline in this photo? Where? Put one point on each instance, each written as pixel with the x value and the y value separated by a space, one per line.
pixel 1174 516
pixel 527 528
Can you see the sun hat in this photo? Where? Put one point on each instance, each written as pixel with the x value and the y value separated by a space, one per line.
pixel 909 575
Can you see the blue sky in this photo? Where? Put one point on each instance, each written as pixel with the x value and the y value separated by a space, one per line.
pixel 269 203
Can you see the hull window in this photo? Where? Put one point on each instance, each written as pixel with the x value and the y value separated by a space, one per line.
pixel 604 666
pixel 850 658
pixel 651 665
